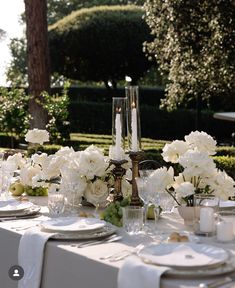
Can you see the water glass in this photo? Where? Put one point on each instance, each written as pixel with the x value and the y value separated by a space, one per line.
pixel 133 219
pixel 56 204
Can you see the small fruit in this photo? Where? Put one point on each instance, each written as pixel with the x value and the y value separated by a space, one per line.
pixel 16 189
pixel 150 212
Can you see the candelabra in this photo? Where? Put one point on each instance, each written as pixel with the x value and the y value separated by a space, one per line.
pixel 136 157
pixel 118 172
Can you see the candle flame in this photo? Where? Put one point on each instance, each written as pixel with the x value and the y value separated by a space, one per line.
pixel 118 109
pixel 133 105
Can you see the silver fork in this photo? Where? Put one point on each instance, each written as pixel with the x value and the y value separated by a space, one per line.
pixel 126 253
pixel 218 283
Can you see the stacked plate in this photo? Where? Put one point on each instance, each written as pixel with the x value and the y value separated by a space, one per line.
pixel 224 205
pixel 15 209
pixel 78 228
pixel 189 259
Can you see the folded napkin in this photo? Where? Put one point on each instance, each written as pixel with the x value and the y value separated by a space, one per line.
pixel 30 257
pixel 135 273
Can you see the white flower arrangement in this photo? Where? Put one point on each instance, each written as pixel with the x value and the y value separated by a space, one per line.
pixel 84 173
pixel 198 172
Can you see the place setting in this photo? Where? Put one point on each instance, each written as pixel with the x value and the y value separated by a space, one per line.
pixel 14 209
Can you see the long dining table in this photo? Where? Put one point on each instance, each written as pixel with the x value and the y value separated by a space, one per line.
pixel 66 265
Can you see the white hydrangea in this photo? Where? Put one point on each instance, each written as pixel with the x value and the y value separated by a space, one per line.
pixel 37 136
pixel 161 179
pixel 201 141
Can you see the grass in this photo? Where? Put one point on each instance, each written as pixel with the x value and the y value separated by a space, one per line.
pixel 104 141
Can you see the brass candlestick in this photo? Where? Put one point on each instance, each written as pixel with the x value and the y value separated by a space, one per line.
pixel 136 157
pixel 118 172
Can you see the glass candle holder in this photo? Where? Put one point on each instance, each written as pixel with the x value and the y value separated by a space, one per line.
pixel 133 118
pixel 117 150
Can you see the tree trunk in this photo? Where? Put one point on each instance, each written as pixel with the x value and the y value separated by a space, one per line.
pixel 37 59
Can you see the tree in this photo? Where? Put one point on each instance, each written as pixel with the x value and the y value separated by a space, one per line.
pixel 37 60
pixel 2 34
pixel 194 45
pixel 100 44
pixel 57 9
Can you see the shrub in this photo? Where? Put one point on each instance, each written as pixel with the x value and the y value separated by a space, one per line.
pixel 100 44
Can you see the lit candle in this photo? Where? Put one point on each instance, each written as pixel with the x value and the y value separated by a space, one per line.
pixel 225 231
pixel 207 221
pixel 134 140
pixel 118 129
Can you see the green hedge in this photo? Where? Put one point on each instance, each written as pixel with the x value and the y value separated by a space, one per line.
pixel 103 43
pixel 91 117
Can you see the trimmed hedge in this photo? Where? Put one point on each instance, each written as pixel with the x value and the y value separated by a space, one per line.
pixel 103 43
pixel 91 117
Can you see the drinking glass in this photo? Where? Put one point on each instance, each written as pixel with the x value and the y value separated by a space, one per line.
pixel 133 219
pixel 7 172
pixel 56 203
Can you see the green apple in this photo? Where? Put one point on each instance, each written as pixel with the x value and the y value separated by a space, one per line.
pixel 16 189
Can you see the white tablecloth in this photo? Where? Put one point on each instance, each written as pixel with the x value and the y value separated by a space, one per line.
pixel 69 266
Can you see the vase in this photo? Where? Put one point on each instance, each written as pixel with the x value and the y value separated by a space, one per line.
pixel 188 214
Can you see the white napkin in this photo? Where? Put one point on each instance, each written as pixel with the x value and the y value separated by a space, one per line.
pixel 135 273
pixel 30 257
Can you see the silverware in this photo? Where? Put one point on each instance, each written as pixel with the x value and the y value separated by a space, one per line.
pixel 10 218
pixel 117 256
pixel 218 283
pixel 110 239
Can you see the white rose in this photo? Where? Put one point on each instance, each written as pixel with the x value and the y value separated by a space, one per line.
pixel 37 136
pixel 172 152
pixel 96 192
pixel 92 163
pixel 201 141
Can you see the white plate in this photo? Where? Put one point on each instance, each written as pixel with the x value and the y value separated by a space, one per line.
pixel 72 224
pixel 226 204
pixel 225 268
pixel 34 210
pixel 13 205
pixel 103 232
pixel 184 255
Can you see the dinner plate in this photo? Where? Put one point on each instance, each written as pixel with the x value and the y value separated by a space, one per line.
pixel 32 210
pixel 103 232
pixel 224 268
pixel 226 204
pixel 184 255
pixel 12 205
pixel 72 224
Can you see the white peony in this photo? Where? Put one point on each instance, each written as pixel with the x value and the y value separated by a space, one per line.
pixel 172 152
pixel 37 136
pixel 39 159
pixel 28 172
pixel 201 141
pixel 96 192
pixel 223 186
pixel 161 179
pixel 197 163
pixel 185 189
pixel 18 160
